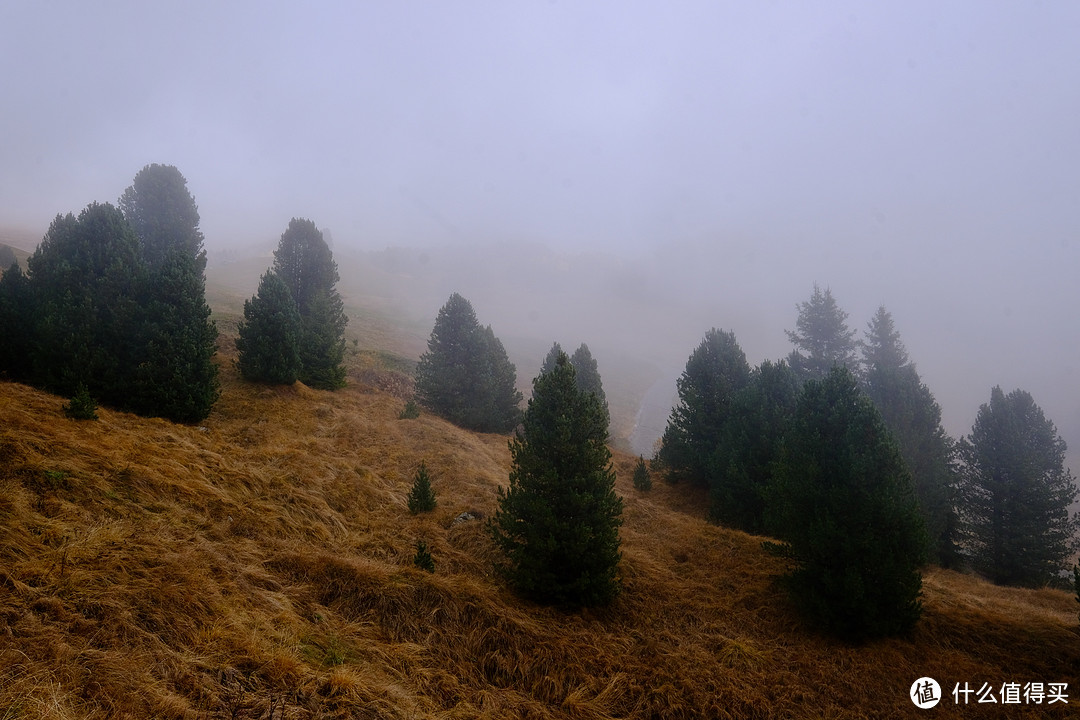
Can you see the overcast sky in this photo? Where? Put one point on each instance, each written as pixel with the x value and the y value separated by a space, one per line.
pixel 921 154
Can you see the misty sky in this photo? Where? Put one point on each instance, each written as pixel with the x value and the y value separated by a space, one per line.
pixel 925 155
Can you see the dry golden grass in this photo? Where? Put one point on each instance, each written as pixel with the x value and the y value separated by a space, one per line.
pixel 260 566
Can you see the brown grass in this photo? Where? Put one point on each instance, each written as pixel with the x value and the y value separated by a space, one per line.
pixel 260 566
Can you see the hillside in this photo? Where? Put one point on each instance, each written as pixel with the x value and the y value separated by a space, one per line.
pixel 260 566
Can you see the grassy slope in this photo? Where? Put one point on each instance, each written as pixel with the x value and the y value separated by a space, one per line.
pixel 261 566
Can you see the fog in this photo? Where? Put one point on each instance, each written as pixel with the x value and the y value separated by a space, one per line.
pixel 675 166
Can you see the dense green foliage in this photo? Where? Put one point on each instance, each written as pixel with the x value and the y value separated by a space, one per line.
pixel 642 478
pixel 913 417
pixel 551 358
pixel 715 372
pixel 122 313
pixel 842 502
pixel 588 375
pixel 821 337
pixel 558 522
pixel 306 265
pixel 17 323
pixel 465 376
pixel 163 215
pixel 422 559
pixel 81 406
pixel 421 496
pixel 268 337
pixel 1016 493
pixel 749 444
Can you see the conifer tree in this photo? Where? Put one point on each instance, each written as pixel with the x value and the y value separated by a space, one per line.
pixel 421 496
pixel 715 372
pixel 176 377
pixel 749 445
pixel 18 320
pixel 558 522
pixel 87 279
pixel 642 480
pixel 842 502
pixel 551 358
pixel 1016 493
pixel 914 417
pixel 268 337
pixel 422 559
pixel 821 337
pixel 587 374
pixel 465 376
pixel 163 215
pixel 306 265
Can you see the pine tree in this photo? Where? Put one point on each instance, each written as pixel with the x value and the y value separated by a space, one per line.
pixel 18 320
pixel 749 445
pixel 1016 493
pixel 821 337
pixel 715 372
pixel 306 265
pixel 81 406
pixel 642 480
pixel 465 376
pixel 422 559
pixel 86 280
pixel 268 337
pixel 551 358
pixel 176 376
pixel 163 215
pixel 587 374
pixel 842 502
pixel 914 417
pixel 558 522
pixel 421 496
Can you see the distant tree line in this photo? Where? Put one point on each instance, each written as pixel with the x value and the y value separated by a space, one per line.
pixel 114 305
pixel 839 453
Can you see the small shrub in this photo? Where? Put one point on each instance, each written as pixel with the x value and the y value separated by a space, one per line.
pixel 82 406
pixel 642 481
pixel 423 559
pixel 421 497
pixel 411 411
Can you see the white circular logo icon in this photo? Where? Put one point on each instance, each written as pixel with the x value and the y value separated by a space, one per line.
pixel 925 693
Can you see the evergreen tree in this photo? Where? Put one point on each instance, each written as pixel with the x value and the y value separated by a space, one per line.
pixel 642 480
pixel 821 337
pixel 422 559
pixel 842 502
pixel 81 406
pixel 1016 493
pixel 322 345
pixel 86 280
pixel 163 215
pixel 914 417
pixel 558 522
pixel 552 357
pixel 305 263
pixel 587 374
pixel 268 337
pixel 176 377
pixel 882 348
pixel 465 376
pixel 715 372
pixel 749 446
pixel 18 319
pixel 421 496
